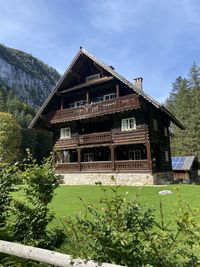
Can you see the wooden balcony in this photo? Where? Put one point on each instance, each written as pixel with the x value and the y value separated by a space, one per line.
pixel 125 165
pixel 136 136
pixel 119 104
pixel 94 138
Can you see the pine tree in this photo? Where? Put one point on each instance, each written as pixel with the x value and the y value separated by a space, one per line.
pixel 184 103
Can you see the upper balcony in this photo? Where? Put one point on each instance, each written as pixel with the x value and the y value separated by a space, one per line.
pixel 118 104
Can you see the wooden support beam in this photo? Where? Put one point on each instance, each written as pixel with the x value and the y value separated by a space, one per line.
pixel 61 102
pixel 117 90
pixel 112 150
pixel 79 158
pixel 148 148
pixel 87 84
pixel 87 97
pixel 99 69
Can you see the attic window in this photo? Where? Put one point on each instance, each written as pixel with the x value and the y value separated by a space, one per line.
pixel 92 77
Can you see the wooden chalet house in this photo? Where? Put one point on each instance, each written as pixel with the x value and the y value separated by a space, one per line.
pixel 104 125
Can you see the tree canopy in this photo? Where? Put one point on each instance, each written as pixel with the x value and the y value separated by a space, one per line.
pixel 10 137
pixel 184 103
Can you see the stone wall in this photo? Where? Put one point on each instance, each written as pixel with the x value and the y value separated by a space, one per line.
pixel 119 178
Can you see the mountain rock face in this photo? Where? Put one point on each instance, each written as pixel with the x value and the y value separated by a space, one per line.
pixel 29 78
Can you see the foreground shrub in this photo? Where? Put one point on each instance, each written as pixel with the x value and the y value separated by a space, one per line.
pixel 122 231
pixel 31 212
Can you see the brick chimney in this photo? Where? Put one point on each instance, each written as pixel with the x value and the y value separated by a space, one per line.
pixel 138 82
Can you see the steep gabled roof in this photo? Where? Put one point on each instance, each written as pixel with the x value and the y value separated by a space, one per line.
pixel 110 70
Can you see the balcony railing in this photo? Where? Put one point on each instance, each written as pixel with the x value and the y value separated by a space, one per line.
pixel 94 138
pixel 136 136
pixel 125 165
pixel 123 103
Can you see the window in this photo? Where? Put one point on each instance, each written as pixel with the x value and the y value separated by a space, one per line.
pixel 134 155
pixel 155 125
pixel 77 104
pixel 65 133
pixel 128 124
pixel 92 77
pixel 166 155
pixel 109 96
pixel 165 131
pixel 88 157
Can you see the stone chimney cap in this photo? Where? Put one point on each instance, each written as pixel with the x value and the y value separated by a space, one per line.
pixel 138 79
pixel 138 82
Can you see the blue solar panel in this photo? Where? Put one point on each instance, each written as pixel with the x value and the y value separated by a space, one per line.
pixel 178 162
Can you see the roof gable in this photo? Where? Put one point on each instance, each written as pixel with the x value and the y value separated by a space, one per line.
pixel 110 71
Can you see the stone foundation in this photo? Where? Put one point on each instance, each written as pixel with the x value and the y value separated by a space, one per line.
pixel 119 178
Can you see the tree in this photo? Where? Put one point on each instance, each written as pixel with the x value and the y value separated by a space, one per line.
pixel 10 137
pixel 184 103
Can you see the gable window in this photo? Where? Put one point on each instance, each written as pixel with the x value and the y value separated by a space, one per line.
pixel 128 124
pixel 88 157
pixel 65 133
pixel 134 155
pixel 155 125
pixel 166 155
pixel 165 131
pixel 109 96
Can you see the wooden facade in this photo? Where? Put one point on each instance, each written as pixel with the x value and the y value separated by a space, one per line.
pixel 103 123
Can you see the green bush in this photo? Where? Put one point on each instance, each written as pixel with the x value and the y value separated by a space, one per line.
pixel 31 212
pixel 123 232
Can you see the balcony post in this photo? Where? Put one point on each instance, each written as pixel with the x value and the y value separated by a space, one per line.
pixel 61 102
pixel 148 148
pixel 117 90
pixel 87 97
pixel 79 158
pixel 112 150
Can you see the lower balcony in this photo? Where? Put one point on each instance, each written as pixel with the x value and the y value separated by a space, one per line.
pixel 104 158
pixel 100 166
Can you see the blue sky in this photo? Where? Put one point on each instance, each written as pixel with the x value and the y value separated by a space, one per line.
pixel 155 39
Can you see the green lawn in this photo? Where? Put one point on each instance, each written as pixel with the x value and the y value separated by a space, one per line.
pixel 66 201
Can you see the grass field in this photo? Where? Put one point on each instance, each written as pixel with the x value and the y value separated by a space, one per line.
pixel 66 201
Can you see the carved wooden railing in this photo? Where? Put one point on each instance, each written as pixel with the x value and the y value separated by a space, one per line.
pixel 95 138
pixel 92 110
pixel 71 166
pixel 137 136
pixel 131 165
pixel 103 165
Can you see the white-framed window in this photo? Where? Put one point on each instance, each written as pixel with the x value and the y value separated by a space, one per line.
pixel 155 125
pixel 65 133
pixel 128 124
pixel 88 157
pixel 166 155
pixel 166 131
pixel 77 104
pixel 134 155
pixel 109 96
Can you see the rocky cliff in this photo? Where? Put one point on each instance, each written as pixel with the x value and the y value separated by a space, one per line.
pixel 29 78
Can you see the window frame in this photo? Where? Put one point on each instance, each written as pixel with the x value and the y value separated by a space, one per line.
pixel 109 96
pixel 128 127
pixel 155 124
pixel 165 131
pixel 88 154
pixel 135 156
pixel 63 132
